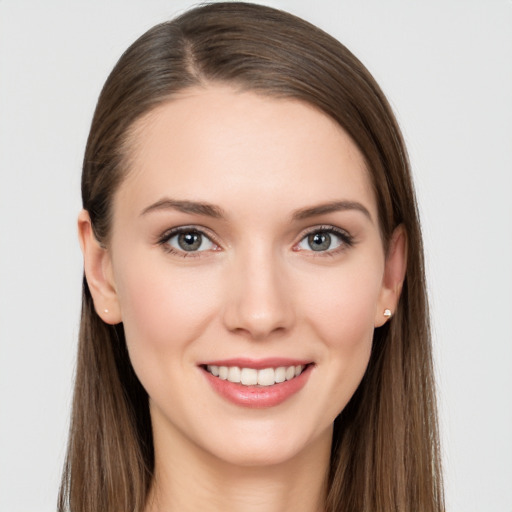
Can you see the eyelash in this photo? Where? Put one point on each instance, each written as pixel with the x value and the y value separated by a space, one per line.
pixel 165 237
pixel 347 240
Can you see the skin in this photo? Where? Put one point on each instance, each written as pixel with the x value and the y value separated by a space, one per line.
pixel 257 290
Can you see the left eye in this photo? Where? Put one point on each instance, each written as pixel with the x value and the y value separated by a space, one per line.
pixel 322 241
pixel 190 241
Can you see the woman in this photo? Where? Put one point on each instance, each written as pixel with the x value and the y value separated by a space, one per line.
pixel 254 331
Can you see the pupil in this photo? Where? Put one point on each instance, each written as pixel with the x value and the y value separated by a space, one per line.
pixel 319 241
pixel 189 241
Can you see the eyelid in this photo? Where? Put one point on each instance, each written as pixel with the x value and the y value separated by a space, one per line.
pixel 191 228
pixel 347 239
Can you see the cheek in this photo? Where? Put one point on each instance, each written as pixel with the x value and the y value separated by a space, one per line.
pixel 343 317
pixel 163 309
pixel 343 309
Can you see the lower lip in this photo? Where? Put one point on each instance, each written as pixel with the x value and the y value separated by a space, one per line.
pixel 258 396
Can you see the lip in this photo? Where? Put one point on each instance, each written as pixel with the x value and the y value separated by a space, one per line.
pixel 258 397
pixel 257 364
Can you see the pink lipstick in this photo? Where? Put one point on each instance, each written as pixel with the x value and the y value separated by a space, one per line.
pixel 257 383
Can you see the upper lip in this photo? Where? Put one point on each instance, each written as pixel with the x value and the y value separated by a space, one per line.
pixel 257 364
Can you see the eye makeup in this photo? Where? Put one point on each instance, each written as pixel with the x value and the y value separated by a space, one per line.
pixel 193 241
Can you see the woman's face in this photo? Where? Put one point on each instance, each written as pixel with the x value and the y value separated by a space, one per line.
pixel 245 245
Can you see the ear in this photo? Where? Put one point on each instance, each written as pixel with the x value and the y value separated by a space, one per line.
pixel 98 272
pixel 394 275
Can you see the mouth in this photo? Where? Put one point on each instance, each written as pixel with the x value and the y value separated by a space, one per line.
pixel 257 384
pixel 255 377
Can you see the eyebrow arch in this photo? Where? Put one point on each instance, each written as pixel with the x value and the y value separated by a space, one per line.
pixel 210 210
pixel 333 206
pixel 195 207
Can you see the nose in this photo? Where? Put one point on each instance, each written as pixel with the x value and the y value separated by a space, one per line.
pixel 259 298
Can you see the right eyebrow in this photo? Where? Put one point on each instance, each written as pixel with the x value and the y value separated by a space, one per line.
pixel 195 207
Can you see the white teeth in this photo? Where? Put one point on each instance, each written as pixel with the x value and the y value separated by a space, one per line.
pixel 252 377
pixel 280 374
pixel 249 376
pixel 266 377
pixel 234 374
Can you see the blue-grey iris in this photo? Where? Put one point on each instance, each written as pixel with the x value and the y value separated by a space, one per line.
pixel 319 241
pixel 190 241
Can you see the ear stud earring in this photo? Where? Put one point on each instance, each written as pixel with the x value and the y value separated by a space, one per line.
pixel 106 310
pixel 387 313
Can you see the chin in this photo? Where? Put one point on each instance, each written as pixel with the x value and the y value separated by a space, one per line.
pixel 268 448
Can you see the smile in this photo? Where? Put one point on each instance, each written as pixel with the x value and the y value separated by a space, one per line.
pixel 254 377
pixel 257 384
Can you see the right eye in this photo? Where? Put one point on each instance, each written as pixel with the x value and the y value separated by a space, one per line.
pixel 184 241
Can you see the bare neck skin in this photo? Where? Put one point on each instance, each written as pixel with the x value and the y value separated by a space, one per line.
pixel 188 479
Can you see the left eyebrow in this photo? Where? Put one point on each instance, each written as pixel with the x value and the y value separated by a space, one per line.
pixel 333 206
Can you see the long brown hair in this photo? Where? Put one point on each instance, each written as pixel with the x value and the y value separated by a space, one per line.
pixel 385 454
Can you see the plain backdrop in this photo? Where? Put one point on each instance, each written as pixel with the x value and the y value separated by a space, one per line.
pixel 446 67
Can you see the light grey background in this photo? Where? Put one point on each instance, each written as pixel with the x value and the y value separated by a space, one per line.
pixel 446 67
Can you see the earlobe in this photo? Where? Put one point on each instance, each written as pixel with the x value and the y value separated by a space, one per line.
pixel 394 275
pixel 98 272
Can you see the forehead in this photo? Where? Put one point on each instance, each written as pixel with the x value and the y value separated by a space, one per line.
pixel 218 145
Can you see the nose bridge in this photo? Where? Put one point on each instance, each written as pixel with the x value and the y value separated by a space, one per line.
pixel 259 301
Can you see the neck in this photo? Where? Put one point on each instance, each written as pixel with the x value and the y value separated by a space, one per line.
pixel 188 479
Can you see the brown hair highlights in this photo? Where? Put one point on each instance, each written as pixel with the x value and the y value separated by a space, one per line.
pixel 385 454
